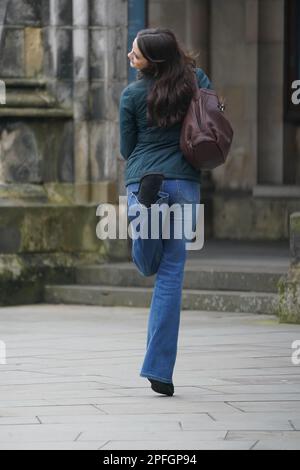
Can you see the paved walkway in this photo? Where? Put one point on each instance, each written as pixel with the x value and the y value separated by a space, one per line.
pixel 72 382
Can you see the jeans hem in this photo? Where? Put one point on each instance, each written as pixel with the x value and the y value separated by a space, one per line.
pixel 155 377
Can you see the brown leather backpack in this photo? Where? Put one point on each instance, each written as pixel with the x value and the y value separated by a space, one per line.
pixel 206 133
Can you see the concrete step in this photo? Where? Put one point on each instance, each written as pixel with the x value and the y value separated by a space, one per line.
pixel 198 276
pixel 220 301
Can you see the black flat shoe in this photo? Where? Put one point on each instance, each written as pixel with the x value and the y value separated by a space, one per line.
pixel 161 387
pixel 150 185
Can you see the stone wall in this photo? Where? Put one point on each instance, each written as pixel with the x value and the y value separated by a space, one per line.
pixel 241 45
pixel 106 55
pixel 33 149
pixel 21 37
pixel 64 64
pixel 270 123
pixel 189 19
pixel 234 68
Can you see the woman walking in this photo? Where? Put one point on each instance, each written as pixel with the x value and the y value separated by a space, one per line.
pixel 152 110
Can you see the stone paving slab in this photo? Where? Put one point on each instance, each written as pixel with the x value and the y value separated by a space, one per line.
pixel 50 410
pixel 178 445
pixel 283 440
pixel 72 382
pixel 54 446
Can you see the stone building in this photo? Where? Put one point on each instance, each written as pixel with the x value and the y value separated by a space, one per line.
pixel 251 51
pixel 64 64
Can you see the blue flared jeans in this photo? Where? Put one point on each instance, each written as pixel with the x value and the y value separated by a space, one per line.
pixel 165 257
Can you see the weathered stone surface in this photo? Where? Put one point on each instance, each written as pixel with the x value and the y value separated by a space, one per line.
pixel 289 305
pixel 38 113
pixel 271 18
pixel 172 14
pixel 64 53
pixel 251 21
pixel 3 11
pixel 99 103
pixel 295 239
pixel 215 301
pixel 63 90
pixel 108 12
pixel 200 276
pixel 108 58
pixel 104 143
pixel 289 301
pixel 26 12
pixel 45 156
pixel 50 228
pixel 81 10
pixel 45 12
pixel 80 193
pixel 12 52
pixel 65 157
pixel 59 193
pixel 237 215
pixel 105 100
pixel 14 193
pixel 58 52
pixel 37 152
pixel 28 98
pixel 81 101
pixel 104 191
pixel 20 160
pixel 22 276
pixel 222 22
pixel 234 75
pixel 49 34
pixel 65 150
pixel 81 151
pixel 81 59
pixel 9 239
pixel 64 13
pixel 98 44
pixel 33 52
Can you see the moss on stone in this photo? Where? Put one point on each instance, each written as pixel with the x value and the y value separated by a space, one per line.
pixel 295 222
pixel 45 243
pixel 20 292
pixel 23 276
pixel 289 301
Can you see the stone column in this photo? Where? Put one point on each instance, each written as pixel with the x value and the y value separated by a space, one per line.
pixel 21 60
pixel 108 76
pixel 81 98
pixel 198 31
pixel 59 54
pixel 3 10
pixel 270 124
pixel 58 72
pixel 234 69
pixel 289 287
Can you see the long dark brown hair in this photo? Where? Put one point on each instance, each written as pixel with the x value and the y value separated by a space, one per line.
pixel 172 70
